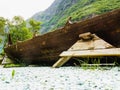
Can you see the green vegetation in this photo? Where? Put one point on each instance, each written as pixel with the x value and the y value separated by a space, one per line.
pixel 97 62
pixel 2 25
pixel 14 65
pixel 2 32
pixel 78 10
pixel 18 30
pixel 87 9
pixel 1 56
pixel 13 73
pixel 0 40
pixel 35 26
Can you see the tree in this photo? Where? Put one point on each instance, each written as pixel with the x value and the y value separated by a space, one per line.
pixel 34 26
pixel 2 25
pixel 0 40
pixel 18 29
pixel 2 32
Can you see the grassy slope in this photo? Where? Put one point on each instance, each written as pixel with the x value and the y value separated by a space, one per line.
pixel 82 10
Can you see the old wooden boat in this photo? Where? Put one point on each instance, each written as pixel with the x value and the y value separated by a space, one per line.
pixel 46 48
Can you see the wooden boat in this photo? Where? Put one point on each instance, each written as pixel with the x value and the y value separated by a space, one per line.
pixel 46 48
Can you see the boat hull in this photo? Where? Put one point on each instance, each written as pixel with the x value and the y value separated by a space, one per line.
pixel 46 48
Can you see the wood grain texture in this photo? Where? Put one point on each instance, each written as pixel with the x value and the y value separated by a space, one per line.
pixel 91 53
pixel 46 48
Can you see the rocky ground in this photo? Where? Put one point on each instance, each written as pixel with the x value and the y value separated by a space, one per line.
pixel 64 78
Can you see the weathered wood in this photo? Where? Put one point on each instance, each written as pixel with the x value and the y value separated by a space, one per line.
pixel 86 36
pixel 6 60
pixel 46 48
pixel 92 53
pixel 95 43
pixel 61 61
pixel 78 49
pixel 1 59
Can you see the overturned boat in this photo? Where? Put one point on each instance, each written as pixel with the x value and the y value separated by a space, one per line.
pixel 46 48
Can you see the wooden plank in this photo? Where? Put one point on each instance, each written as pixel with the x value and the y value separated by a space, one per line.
pixel 99 52
pixel 89 45
pixel 60 62
pixel 95 43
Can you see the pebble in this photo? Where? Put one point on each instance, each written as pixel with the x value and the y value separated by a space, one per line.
pixel 63 78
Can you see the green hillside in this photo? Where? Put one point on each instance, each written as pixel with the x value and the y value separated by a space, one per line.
pixel 77 9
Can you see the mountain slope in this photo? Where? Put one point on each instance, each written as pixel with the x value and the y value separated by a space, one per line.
pixel 57 14
pixel 48 18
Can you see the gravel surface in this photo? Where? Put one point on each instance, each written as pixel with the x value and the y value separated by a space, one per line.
pixel 64 78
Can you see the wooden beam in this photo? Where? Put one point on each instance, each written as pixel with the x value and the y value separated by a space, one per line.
pixel 99 52
pixel 89 45
pixel 60 62
pixel 95 43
